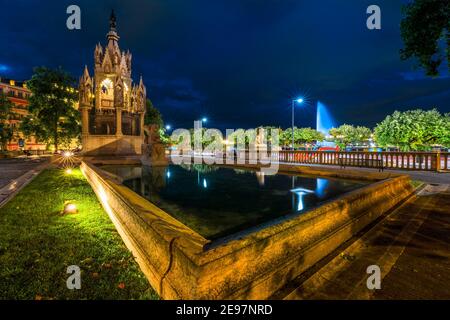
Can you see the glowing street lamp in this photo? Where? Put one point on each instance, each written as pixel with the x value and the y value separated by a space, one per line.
pixel 204 119
pixel 299 101
pixel 168 127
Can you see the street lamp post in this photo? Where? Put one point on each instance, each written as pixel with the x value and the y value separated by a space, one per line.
pixel 198 124
pixel 299 100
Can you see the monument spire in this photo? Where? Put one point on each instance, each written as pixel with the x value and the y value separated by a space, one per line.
pixel 112 34
pixel 112 21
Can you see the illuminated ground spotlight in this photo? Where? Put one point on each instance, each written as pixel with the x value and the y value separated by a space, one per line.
pixel 70 208
pixel 68 171
pixel 67 160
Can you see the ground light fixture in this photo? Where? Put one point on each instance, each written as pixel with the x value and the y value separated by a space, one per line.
pixel 68 171
pixel 70 208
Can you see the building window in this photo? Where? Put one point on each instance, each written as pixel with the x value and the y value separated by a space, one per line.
pixel 11 93
pixel 107 93
pixel 20 94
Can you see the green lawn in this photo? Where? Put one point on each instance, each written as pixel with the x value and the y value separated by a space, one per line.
pixel 38 243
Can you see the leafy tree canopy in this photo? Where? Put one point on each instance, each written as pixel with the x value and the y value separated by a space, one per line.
pixel 425 24
pixel 414 130
pixel 301 136
pixel 347 134
pixel 152 115
pixel 53 117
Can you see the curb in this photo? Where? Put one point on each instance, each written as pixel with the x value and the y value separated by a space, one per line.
pixel 11 189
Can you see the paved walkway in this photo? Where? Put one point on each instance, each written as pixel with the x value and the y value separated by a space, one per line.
pixel 17 173
pixel 411 246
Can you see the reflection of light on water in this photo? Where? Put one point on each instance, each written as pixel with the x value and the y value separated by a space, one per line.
pixel 261 178
pixel 168 174
pixel 300 192
pixel 205 184
pixel 321 185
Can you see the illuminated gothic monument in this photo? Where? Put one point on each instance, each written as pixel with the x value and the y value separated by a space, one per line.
pixel 112 107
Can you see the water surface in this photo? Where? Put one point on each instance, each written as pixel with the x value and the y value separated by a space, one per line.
pixel 217 202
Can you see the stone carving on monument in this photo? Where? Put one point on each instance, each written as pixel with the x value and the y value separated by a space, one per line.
pixel 111 104
pixel 153 150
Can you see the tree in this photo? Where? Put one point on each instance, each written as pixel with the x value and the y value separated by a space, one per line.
pixel 6 130
pixel 361 134
pixel 242 137
pixel 152 115
pixel 301 136
pixel 53 117
pixel 347 134
pixel 444 139
pixel 425 24
pixel 200 135
pixel 413 130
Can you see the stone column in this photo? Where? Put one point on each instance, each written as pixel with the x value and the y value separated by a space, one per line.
pixel 118 121
pixel 133 125
pixel 141 123
pixel 84 120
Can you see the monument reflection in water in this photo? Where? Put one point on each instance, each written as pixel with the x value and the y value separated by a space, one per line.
pixel 218 202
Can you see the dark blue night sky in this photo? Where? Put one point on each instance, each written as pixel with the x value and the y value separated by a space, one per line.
pixel 239 62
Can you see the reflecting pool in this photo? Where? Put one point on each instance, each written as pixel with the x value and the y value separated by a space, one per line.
pixel 218 202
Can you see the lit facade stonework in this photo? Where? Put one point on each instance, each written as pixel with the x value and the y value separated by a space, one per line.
pixel 112 107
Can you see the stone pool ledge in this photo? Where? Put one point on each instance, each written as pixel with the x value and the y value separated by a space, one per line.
pixel 178 264
pixel 326 172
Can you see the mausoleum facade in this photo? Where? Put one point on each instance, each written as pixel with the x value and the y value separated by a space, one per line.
pixel 111 105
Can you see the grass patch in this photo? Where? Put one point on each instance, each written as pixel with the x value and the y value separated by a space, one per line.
pixel 38 243
pixel 416 183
